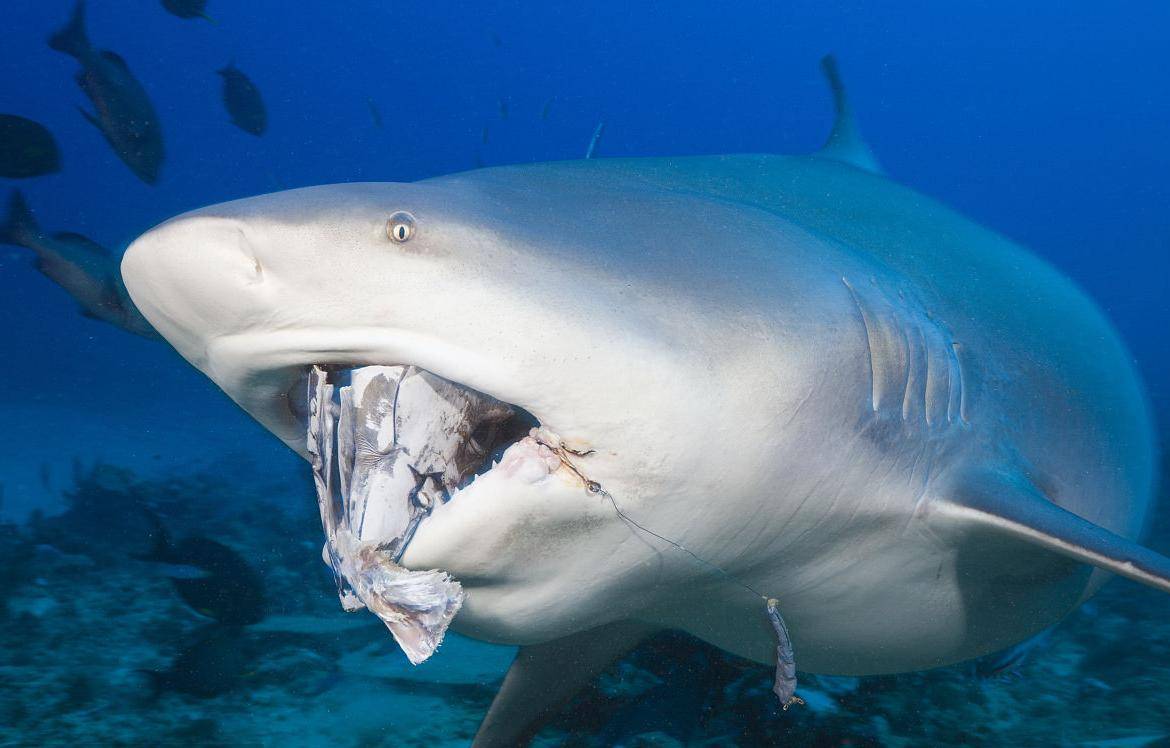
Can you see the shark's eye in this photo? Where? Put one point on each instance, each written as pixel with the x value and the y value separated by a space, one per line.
pixel 400 227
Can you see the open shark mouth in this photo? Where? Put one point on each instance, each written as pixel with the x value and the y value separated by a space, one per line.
pixel 387 444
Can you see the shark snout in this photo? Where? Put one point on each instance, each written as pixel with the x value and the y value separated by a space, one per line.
pixel 194 277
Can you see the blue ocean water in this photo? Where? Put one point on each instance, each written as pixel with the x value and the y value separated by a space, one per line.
pixel 1045 121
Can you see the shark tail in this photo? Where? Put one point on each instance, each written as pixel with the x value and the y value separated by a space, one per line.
pixel 19 227
pixel 71 38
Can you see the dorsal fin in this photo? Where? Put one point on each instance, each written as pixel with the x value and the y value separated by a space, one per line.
pixel 845 143
pixel 1011 505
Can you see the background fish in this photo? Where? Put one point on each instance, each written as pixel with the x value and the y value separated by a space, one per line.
pixel 218 583
pixel 242 100
pixel 122 110
pixel 27 148
pixel 375 114
pixel 77 264
pixel 214 663
pixel 187 8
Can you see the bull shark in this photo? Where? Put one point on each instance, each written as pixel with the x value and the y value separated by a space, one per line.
pixel 920 442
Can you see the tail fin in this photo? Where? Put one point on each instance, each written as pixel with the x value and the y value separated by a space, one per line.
pixel 71 38
pixel 19 226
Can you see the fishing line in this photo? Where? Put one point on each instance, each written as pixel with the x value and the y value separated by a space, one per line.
pixel 595 487
pixel 784 684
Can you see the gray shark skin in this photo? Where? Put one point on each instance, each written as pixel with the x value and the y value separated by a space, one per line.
pixel 918 438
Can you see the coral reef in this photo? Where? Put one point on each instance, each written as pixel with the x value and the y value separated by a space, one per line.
pixel 100 648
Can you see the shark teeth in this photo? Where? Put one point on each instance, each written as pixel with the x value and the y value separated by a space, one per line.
pixel 385 443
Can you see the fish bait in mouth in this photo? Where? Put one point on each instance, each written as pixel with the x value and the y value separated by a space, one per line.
pixel 387 443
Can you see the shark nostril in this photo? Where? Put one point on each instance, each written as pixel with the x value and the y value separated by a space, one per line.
pixel 250 256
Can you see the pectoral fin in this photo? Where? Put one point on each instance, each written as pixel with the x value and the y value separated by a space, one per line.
pixel 1010 504
pixel 544 676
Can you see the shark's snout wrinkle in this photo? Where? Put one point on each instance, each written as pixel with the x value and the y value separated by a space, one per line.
pixel 197 246
pixel 193 268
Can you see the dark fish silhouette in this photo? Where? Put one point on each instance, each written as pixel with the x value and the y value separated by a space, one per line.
pixel 243 102
pixel 1006 663
pixel 214 580
pixel 375 114
pixel 122 110
pixel 214 664
pixel 77 264
pixel 27 149
pixel 503 103
pixel 187 8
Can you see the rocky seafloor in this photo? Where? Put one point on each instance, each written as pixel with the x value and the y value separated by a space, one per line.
pixel 98 648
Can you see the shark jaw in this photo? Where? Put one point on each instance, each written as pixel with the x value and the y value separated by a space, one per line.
pixel 515 533
pixel 389 444
pixel 438 436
